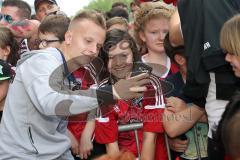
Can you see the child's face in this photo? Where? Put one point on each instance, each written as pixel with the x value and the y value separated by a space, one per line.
pixel 120 60
pixel 181 61
pixel 48 40
pixel 234 60
pixel 154 32
pixel 44 8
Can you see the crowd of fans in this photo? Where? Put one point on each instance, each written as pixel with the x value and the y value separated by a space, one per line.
pixel 69 84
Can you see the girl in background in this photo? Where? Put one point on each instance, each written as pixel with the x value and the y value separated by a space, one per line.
pixel 8 46
pixel 8 58
pixel 151 26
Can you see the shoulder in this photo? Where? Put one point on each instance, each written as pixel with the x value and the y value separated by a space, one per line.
pixel 50 54
pixel 40 61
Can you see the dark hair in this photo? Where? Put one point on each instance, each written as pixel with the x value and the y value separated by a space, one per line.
pixel 228 130
pixel 172 51
pixel 118 12
pixel 7 39
pixel 113 37
pixel 56 24
pixel 119 4
pixel 23 7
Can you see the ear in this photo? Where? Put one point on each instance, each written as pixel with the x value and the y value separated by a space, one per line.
pixel 180 59
pixel 6 51
pixel 68 37
pixel 142 36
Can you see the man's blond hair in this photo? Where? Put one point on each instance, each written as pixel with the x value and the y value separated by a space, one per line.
pixel 91 15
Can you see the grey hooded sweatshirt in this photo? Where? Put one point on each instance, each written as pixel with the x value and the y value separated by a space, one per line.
pixel 34 122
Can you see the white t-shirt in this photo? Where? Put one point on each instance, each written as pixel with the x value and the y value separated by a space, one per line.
pixel 168 66
pixel 214 107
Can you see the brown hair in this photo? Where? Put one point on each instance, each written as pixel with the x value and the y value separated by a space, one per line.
pixel 92 15
pixel 147 12
pixel 230 35
pixel 7 39
pixel 117 20
pixel 113 37
pixel 56 24
pixel 172 51
pixel 24 10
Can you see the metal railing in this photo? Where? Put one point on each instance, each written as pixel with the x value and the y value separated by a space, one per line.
pixel 135 126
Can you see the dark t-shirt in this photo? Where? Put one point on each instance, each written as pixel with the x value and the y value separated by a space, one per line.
pixel 201 22
pixel 177 81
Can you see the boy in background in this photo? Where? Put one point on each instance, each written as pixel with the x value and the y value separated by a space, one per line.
pixel 196 145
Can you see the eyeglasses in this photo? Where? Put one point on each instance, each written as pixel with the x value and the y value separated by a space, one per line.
pixel 45 42
pixel 6 18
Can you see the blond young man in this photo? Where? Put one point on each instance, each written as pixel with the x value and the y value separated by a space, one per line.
pixel 34 124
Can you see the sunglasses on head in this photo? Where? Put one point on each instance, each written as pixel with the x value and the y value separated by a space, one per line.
pixel 6 18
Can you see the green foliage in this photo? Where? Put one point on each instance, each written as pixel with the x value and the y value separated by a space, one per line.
pixel 104 5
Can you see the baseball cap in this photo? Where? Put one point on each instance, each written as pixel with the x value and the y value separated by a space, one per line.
pixel 37 2
pixel 5 71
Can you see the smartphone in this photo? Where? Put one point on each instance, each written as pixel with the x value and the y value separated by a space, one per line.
pixel 140 67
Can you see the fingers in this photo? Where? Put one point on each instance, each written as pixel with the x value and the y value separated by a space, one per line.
pixel 142 82
pixel 137 94
pixel 85 154
pixel 75 150
pixel 85 151
pixel 140 76
pixel 171 109
pixel 138 89
pixel 179 149
pixel 176 142
pixel 169 100
pixel 178 145
pixel 182 142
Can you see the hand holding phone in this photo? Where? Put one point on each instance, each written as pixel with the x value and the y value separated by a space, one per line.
pixel 140 67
